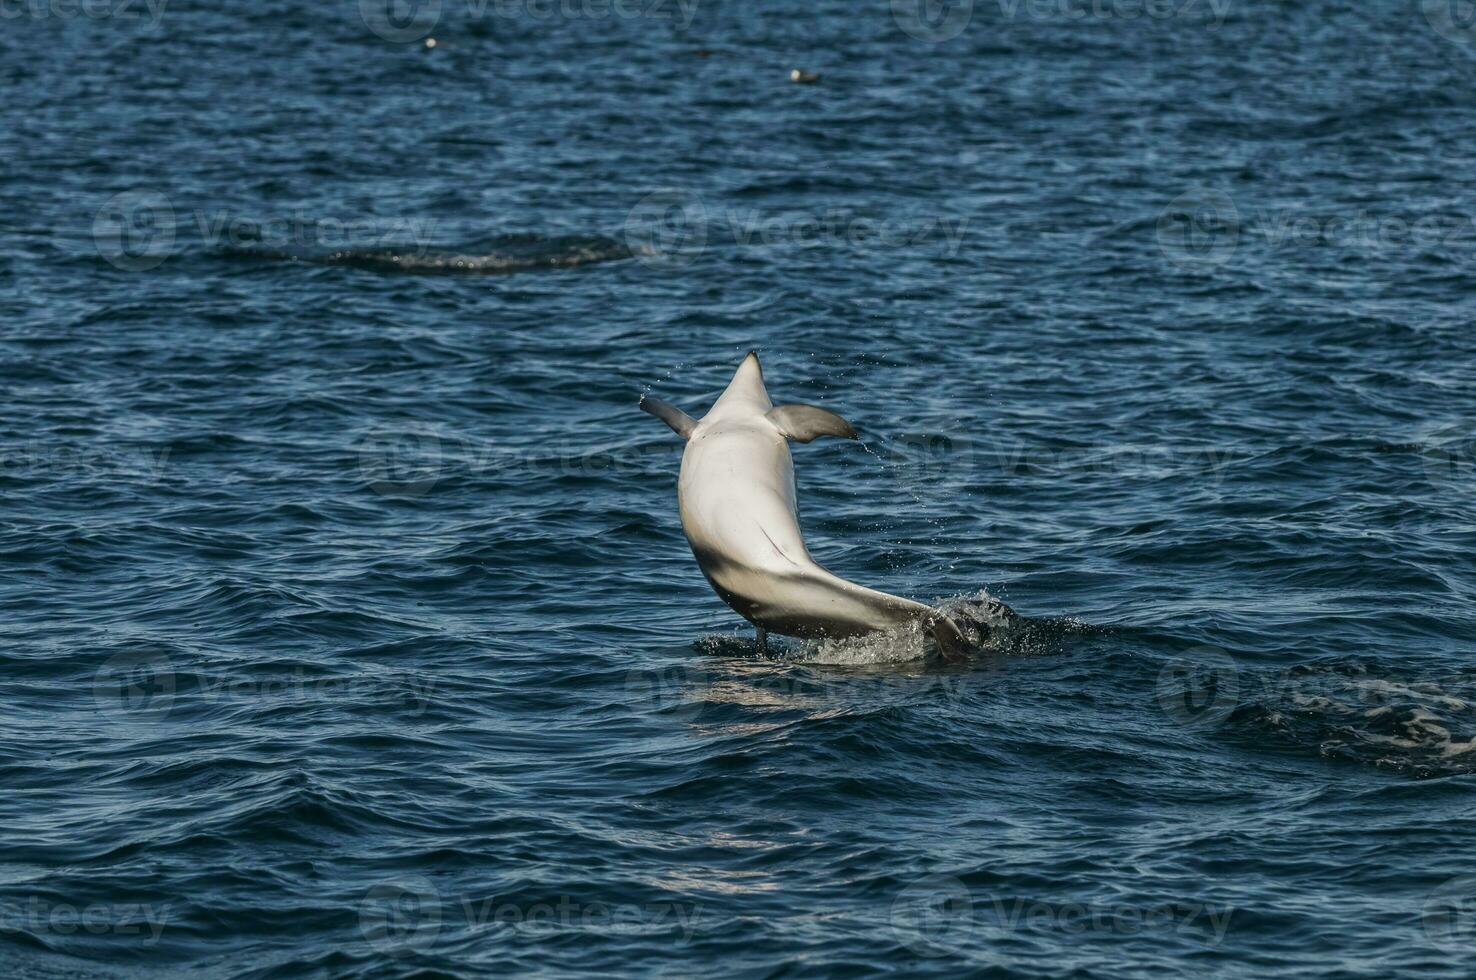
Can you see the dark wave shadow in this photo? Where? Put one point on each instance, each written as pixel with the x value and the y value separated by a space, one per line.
pixel 502 255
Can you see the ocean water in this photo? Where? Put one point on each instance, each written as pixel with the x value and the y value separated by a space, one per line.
pixel 348 627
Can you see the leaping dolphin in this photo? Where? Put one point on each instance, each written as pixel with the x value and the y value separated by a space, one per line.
pixel 736 497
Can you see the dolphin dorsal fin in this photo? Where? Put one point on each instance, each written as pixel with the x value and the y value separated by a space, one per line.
pixel 681 423
pixel 804 423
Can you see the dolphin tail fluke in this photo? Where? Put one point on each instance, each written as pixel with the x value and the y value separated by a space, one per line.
pixel 970 626
pixel 953 646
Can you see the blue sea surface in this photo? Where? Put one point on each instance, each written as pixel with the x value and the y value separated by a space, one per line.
pixel 347 627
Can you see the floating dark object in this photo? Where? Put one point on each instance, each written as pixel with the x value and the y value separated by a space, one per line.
pixel 803 76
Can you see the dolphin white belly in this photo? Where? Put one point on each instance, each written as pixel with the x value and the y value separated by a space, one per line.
pixel 736 496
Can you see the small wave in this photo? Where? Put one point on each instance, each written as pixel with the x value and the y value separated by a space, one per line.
pixel 500 256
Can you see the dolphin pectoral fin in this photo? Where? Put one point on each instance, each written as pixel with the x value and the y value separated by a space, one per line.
pixel 804 423
pixel 681 423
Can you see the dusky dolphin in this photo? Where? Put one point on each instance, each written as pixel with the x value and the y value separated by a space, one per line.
pixel 736 497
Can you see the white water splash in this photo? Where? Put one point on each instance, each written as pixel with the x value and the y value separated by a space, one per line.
pixel 910 643
pixel 897 646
